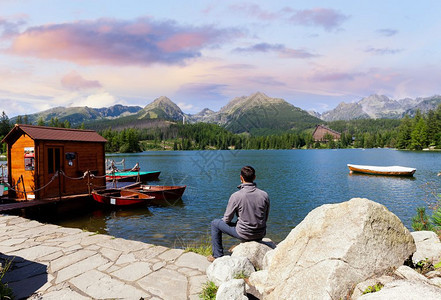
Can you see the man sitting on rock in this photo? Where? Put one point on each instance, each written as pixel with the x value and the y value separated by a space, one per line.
pixel 250 205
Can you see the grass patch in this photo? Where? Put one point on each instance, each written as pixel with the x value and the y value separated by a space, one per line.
pixel 241 275
pixel 202 247
pixel 209 290
pixel 373 288
pixel 5 290
pixel 424 266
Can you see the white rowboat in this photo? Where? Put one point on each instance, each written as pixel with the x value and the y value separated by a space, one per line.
pixel 377 170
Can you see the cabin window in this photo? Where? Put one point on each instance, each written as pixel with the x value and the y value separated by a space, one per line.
pixel 29 161
pixel 57 159
pixel 53 160
pixel 50 160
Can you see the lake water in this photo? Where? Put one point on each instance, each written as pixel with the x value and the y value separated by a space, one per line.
pixel 296 180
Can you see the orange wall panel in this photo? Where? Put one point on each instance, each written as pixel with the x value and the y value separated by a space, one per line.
pixel 18 166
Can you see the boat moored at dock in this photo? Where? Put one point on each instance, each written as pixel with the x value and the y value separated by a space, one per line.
pixel 162 193
pixel 120 197
pixel 133 176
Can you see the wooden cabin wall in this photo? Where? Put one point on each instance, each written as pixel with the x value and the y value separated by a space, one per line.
pixel 88 156
pixel 17 166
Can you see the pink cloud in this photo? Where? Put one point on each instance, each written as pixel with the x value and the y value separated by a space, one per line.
pixel 236 67
pixel 265 80
pixel 382 51
pixel 255 11
pixel 387 32
pixel 74 81
pixel 115 42
pixel 10 27
pixel 327 18
pixel 280 49
pixel 335 76
pixel 204 91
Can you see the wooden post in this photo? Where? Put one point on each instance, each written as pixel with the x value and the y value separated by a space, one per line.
pixel 138 179
pixel 88 181
pixel 24 189
pixel 59 185
pixel 113 174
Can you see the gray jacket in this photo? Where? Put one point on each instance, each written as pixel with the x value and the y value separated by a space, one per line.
pixel 251 206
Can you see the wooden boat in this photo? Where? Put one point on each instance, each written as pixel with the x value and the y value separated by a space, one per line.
pixel 133 176
pixel 134 169
pixel 377 170
pixel 160 192
pixel 120 197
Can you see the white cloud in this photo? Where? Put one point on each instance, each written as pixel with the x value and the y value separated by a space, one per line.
pixel 102 99
pixel 185 106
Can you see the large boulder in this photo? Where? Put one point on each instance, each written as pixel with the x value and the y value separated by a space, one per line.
pixel 406 283
pixel 232 290
pixel 226 268
pixel 428 247
pixel 254 251
pixel 335 247
pixel 410 285
pixel 405 289
pixel 364 286
pixel 267 259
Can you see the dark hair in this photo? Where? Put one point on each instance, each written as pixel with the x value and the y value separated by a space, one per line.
pixel 248 173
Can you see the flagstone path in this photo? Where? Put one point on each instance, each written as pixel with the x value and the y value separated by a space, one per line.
pixel 53 262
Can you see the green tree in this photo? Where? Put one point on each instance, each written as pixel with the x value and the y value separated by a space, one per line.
pixel 404 133
pixel 5 125
pixel 421 220
pixel 54 122
pixel 418 134
pixel 41 122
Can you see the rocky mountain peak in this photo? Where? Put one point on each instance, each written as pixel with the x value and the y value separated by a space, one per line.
pixel 205 112
pixel 162 101
pixel 259 95
pixel 161 108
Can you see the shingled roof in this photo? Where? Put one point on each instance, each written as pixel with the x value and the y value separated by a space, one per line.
pixel 321 131
pixel 53 134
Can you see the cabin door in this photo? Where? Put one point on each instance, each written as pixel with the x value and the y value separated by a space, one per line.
pixel 54 163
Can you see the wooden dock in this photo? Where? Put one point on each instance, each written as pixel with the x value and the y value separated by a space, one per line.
pixel 7 207
pixel 24 204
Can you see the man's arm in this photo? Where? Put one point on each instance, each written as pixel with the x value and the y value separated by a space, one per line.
pixel 267 210
pixel 230 211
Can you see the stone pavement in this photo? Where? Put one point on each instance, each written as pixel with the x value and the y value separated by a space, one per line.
pixel 53 262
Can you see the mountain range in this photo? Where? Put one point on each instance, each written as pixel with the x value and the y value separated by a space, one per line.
pixel 77 115
pixel 254 114
pixel 380 106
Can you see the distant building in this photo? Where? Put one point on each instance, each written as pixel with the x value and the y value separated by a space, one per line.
pixel 321 133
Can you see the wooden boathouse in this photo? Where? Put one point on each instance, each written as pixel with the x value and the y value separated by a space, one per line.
pixel 322 133
pixel 47 162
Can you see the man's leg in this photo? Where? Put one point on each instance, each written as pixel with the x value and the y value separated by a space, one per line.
pixel 217 228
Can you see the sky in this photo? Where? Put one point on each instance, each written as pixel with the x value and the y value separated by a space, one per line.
pixel 202 54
